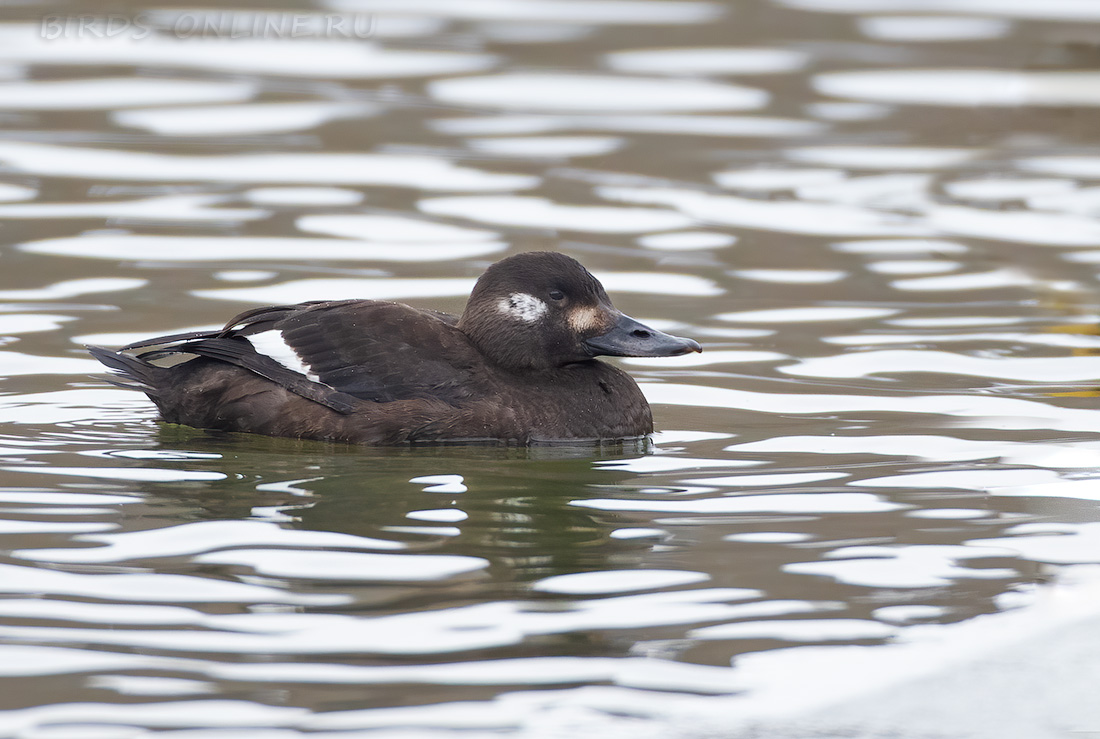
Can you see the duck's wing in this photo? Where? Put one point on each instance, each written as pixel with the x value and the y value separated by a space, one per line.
pixel 340 352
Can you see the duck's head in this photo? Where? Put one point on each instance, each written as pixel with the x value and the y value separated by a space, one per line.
pixel 540 310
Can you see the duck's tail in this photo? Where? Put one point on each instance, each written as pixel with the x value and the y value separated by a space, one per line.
pixel 132 373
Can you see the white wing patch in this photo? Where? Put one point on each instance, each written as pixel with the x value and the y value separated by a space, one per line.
pixel 522 306
pixel 272 344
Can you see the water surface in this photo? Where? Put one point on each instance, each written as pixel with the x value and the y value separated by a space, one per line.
pixel 872 502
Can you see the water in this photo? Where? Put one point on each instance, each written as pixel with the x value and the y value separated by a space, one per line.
pixel 870 509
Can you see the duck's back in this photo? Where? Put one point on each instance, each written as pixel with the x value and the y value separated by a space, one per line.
pixel 373 350
pixel 362 371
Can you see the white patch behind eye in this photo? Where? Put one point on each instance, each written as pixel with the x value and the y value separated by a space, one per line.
pixel 522 306
pixel 272 344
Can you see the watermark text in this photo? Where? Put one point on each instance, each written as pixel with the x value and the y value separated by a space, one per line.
pixel 208 25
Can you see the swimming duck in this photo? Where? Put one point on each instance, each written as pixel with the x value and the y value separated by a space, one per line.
pixel 518 366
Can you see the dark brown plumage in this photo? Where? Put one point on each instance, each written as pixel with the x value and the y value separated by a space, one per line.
pixel 518 366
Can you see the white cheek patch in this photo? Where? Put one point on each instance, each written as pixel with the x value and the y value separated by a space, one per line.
pixel 271 344
pixel 522 307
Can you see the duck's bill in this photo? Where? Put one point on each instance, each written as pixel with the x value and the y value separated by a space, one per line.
pixel 630 338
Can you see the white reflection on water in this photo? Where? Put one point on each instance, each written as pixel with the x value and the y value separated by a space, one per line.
pixel 75 405
pixel 1069 166
pixel 906 192
pixel 446 484
pixel 792 216
pixel 141 474
pixel 883 157
pixel 669 463
pixel 1053 543
pixel 548 146
pixel 11 193
pixel 74 288
pixel 656 674
pixel 849 111
pixel 164 208
pixel 965 87
pixel 51 527
pixel 143 588
pixel 768 537
pixel 227 275
pixel 687 240
pixel 346 566
pixel 99 613
pixel 391 228
pixel 535 212
pixel 302 196
pixel 575 92
pixel 1029 369
pixel 778 503
pixel 240 119
pixel 922 566
pixel 147 685
pixel 833 629
pixel 1083 201
pixel 1005 188
pixel 49 497
pixel 1083 10
pixel 708 61
pixel 440 515
pixel 994 279
pixel 671 123
pixel 978 479
pixel 139 247
pixel 932 28
pixel 913 266
pixel 587 12
pixel 230 714
pixel 769 481
pixel 707 358
pixel 295 57
pixel 620 581
pixel 808 313
pixel 29 661
pixel 940 449
pixel 791 276
pixel 1040 229
pixel 1081 489
pixel 201 536
pixel 900 246
pixel 952 321
pixel 26 324
pixel 15 363
pixel 117 92
pixel 949 514
pixel 297 291
pixel 439 631
pixel 764 179
pixel 976 410
pixel 422 172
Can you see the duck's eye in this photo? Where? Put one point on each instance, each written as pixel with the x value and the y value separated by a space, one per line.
pixel 557 295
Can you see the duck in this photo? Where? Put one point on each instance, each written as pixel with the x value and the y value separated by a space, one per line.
pixel 519 366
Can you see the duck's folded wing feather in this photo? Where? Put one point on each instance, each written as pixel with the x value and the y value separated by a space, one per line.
pixel 382 351
pixel 342 352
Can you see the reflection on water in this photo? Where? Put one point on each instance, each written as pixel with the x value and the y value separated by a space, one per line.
pixel 879 216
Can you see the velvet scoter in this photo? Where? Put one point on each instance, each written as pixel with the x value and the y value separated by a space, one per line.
pixel 518 366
